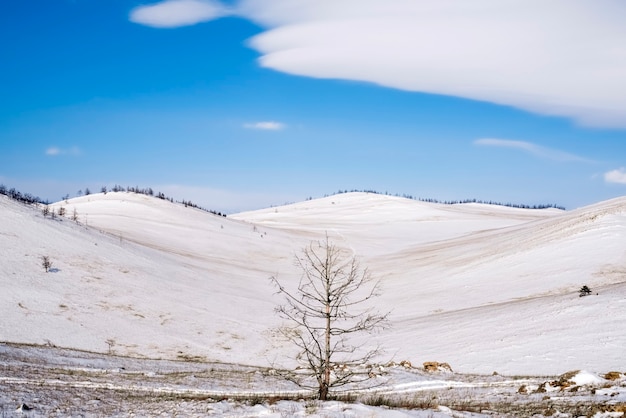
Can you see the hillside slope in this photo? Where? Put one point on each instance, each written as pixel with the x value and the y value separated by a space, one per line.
pixel 482 287
pixel 106 293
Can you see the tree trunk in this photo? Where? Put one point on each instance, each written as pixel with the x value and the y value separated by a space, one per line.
pixel 326 379
pixel 323 394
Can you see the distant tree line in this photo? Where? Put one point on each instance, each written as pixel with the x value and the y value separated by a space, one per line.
pixel 29 199
pixel 456 202
pixel 25 198
pixel 150 192
pixel 187 203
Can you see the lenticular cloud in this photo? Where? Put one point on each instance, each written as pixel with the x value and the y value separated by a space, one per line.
pixel 563 57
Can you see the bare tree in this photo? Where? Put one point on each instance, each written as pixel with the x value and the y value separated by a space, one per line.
pixel 46 263
pixel 324 311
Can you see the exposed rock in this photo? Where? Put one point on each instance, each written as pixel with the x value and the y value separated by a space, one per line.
pixel 565 381
pixel 569 381
pixel 620 407
pixel 445 366
pixel 406 364
pixel 23 407
pixel 569 375
pixel 613 376
pixel 433 366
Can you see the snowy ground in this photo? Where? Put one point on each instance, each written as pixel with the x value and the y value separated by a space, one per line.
pixel 484 288
pixel 62 382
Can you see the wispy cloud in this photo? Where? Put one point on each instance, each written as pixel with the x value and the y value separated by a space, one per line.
pixel 53 151
pixel 534 149
pixel 616 176
pixel 176 13
pixel 266 126
pixel 56 151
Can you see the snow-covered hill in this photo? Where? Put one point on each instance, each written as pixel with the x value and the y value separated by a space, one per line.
pixel 481 287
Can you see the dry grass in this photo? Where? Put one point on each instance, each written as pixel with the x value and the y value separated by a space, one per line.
pixel 57 382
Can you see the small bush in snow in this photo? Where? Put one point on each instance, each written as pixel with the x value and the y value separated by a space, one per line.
pixel 584 291
pixel 46 263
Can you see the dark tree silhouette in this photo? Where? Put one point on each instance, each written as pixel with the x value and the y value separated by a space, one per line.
pixel 46 263
pixel 584 291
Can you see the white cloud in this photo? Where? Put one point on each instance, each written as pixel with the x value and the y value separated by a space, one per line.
pixel 266 126
pixel 175 13
pixel 530 54
pixel 536 150
pixel 616 176
pixel 55 151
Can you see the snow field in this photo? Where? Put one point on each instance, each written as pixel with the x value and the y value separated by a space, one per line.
pixel 482 287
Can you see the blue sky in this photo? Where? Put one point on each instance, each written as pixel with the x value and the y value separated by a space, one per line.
pixel 245 104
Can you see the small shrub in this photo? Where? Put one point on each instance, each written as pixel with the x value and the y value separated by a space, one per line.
pixel 428 401
pixel 584 291
pixel 46 263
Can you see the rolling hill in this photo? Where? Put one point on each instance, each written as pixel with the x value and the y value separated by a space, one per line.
pixel 484 288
